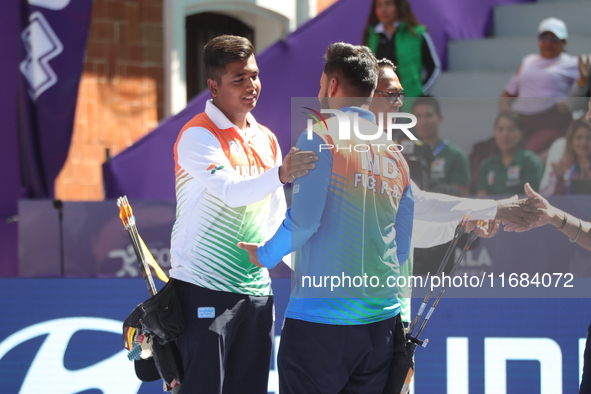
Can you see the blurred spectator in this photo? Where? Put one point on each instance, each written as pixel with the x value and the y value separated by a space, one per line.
pixel 554 155
pixel 512 166
pixel 393 32
pixel 450 170
pixel 538 90
pixel 581 89
pixel 572 173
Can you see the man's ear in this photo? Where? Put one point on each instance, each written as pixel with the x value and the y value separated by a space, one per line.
pixel 212 85
pixel 333 86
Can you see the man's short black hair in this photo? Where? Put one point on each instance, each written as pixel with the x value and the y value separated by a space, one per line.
pixel 383 63
pixel 355 67
pixel 428 100
pixel 223 50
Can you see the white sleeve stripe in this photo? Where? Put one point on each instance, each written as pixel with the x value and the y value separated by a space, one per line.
pixel 429 83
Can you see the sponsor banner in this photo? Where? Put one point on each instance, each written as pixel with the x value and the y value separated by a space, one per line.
pixel 63 336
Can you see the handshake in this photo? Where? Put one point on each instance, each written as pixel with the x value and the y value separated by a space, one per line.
pixel 524 214
pixel 516 214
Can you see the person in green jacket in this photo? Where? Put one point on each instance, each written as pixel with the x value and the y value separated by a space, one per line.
pixel 450 168
pixel 512 166
pixel 394 32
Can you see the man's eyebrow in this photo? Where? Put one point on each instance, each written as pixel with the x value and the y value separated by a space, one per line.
pixel 241 74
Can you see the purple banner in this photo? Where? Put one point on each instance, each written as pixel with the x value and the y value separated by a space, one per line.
pixel 9 159
pixel 53 41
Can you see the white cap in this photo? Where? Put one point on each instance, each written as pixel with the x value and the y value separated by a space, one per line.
pixel 553 25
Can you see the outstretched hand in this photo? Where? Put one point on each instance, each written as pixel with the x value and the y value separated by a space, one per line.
pixel 521 212
pixel 296 164
pixel 544 212
pixel 251 249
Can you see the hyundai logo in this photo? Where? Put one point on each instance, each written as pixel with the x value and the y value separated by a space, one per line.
pixel 47 373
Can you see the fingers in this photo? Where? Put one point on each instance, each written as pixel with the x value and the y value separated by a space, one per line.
pixel 299 174
pixel 522 223
pixel 530 191
pixel 302 167
pixel 528 212
pixel 531 205
pixel 302 162
pixel 511 227
pixel 489 229
pixel 301 170
pixel 251 249
pixel 492 228
pixel 303 157
pixel 535 205
pixel 496 225
pixel 527 220
pixel 515 228
pixel 525 225
pixel 483 233
pixel 524 212
pixel 296 164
